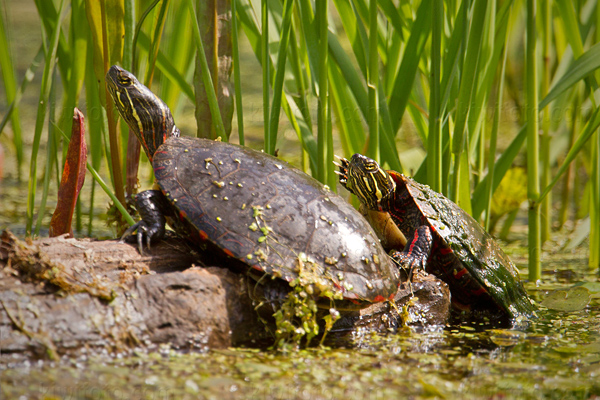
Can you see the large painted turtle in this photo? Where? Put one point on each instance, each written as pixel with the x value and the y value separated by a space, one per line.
pixel 443 239
pixel 255 211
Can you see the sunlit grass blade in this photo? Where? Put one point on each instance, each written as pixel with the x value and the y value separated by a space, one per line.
pixel 10 89
pixel 570 25
pixel 533 182
pixel 322 16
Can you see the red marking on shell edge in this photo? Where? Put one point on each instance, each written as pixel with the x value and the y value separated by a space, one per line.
pixel 203 235
pixel 479 291
pixel 354 301
pixel 412 244
pixel 183 215
pixel 257 267
pixel 337 286
pixel 379 298
pixel 445 250
pixel 393 295
pixel 460 273
pixel 228 252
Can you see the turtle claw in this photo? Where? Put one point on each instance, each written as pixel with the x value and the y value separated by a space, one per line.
pixel 342 171
pixel 151 234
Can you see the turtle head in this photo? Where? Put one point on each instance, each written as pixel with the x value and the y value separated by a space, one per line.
pixel 368 181
pixel 147 115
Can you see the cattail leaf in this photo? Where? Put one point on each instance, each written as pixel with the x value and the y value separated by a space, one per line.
pixel 72 179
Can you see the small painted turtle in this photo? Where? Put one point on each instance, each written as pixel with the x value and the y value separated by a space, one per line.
pixel 252 209
pixel 442 238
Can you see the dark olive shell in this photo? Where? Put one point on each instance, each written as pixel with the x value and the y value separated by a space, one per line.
pixel 274 218
pixel 464 255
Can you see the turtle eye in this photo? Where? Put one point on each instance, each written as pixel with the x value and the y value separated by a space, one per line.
pixel 124 80
pixel 371 166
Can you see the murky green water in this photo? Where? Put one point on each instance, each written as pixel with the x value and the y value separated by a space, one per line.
pixel 557 356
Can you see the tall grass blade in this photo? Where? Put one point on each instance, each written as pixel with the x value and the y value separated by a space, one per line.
pixel 51 156
pixel 501 165
pixel 466 93
pixel 323 160
pixel 581 68
pixel 594 258
pixel 128 33
pixel 389 152
pixel 166 67
pixel 29 75
pixel 10 87
pixel 373 83
pixel 494 138
pixel 545 140
pixel 266 71
pixel 206 77
pixel 406 75
pixel 273 120
pixel 96 123
pixel 236 72
pixel 50 61
pixel 434 137
pixel 533 180
pixel 126 217
pixel 588 131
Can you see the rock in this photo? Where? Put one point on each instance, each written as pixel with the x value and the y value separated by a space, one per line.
pixel 67 297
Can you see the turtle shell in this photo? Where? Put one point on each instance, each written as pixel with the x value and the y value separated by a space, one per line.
pixel 272 217
pixel 464 255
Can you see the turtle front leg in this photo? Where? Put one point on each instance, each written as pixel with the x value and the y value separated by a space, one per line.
pixel 152 207
pixel 416 252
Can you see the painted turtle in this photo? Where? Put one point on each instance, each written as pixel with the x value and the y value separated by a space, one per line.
pixel 442 238
pixel 252 209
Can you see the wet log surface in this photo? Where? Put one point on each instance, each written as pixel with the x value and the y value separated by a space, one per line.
pixel 67 297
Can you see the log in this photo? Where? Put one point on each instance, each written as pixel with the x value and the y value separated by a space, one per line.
pixel 64 297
